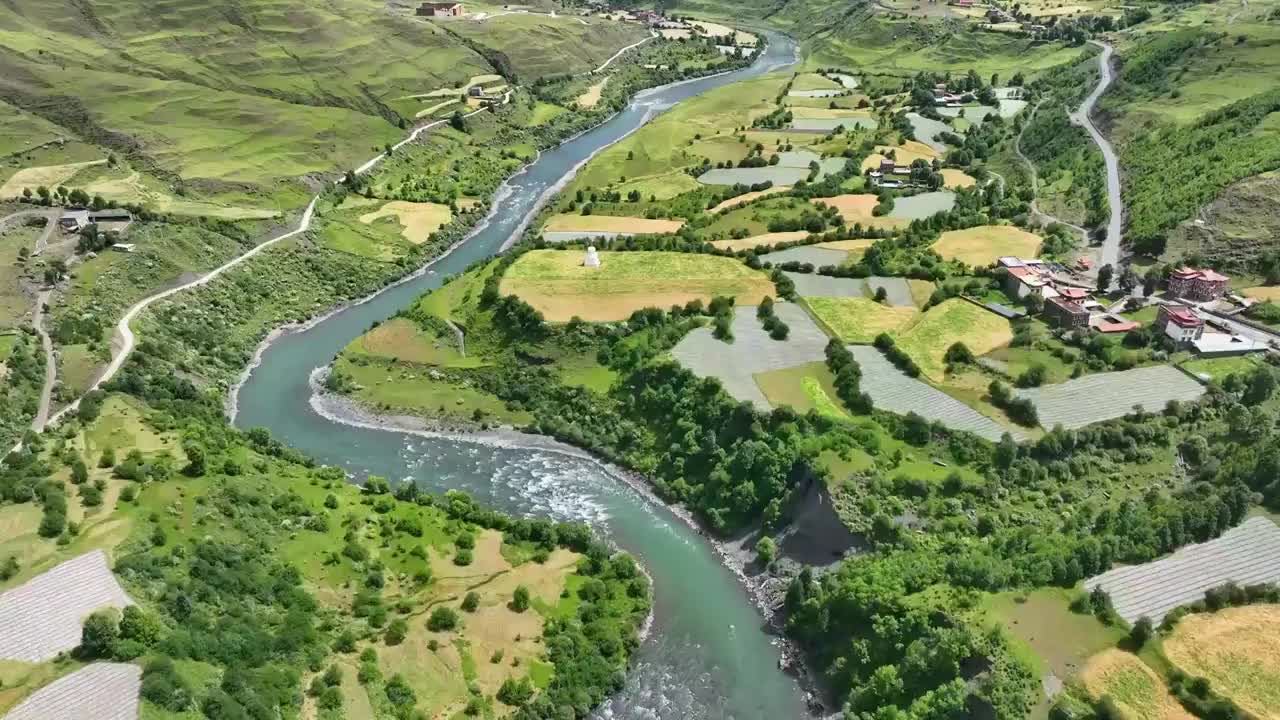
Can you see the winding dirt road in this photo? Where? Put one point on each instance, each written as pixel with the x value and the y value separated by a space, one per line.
pixel 1082 117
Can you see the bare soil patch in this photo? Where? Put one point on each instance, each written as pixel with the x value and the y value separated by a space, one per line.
pixel 417 220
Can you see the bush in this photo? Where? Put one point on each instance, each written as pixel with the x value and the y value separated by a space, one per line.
pixel 396 631
pixel 471 601
pixel 520 599
pixel 443 619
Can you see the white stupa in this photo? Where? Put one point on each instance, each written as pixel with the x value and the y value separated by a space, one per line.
pixel 592 259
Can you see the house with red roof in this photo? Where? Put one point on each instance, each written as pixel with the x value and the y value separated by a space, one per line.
pixel 1197 285
pixel 1065 313
pixel 1181 323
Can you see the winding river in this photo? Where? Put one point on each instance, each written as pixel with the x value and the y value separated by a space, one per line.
pixel 707 655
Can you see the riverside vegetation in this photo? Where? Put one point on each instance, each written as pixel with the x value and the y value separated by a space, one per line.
pixel 258 575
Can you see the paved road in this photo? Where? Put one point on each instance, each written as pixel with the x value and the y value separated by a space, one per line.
pixel 1082 117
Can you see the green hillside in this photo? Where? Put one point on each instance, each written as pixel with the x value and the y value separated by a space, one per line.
pixel 229 101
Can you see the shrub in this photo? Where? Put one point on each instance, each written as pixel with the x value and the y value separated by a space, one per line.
pixel 443 619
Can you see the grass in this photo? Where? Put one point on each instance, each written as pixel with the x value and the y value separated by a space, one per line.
pixel 953 321
pixel 804 387
pixel 1136 689
pixel 1219 368
pixel 1237 650
pixel 49 176
pixel 1271 292
pixel 555 282
pixel 78 368
pixel 416 220
pixel 14 302
pixel 953 178
pixel 754 219
pixel 982 245
pixel 858 320
pixel 756 241
pixel 747 197
pixel 402 340
pixel 814 81
pixel 1046 632
pixel 390 386
pixel 21 131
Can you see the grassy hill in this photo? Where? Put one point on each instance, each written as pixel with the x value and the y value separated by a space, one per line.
pixel 231 101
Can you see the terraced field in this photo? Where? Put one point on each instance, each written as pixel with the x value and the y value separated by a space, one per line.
pixel 1247 554
pixel 1105 396
pixel 752 351
pixel 102 691
pixel 42 617
pixel 892 390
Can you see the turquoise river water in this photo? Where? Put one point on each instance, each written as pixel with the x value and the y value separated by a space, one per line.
pixel 707 655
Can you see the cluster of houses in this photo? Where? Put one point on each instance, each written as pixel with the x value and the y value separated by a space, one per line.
pixel 1070 305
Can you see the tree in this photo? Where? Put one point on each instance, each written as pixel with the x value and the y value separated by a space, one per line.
pixel 1150 282
pixel 1262 385
pixel 520 599
pixel 99 635
pixel 958 354
pixel 457 122
pixel 766 550
pixel 1104 277
pixel 396 631
pixel 140 626
pixel 1128 280
pixel 1141 632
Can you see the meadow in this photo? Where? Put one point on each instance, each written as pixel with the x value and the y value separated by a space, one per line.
pixel 859 319
pixel 555 282
pixel 982 245
pixel 955 320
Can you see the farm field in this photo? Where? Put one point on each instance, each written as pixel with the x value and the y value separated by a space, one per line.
pixel 557 285
pixel 890 389
pixel 857 209
pixel 803 387
pixel 1237 649
pixel 101 691
pixel 756 241
pixel 1104 396
pixel 811 254
pixel 610 224
pixel 1246 554
pixel 859 319
pixel 953 321
pixel 980 246
pixel 897 290
pixel 748 197
pixel 924 205
pixel 1135 688
pixel 1269 292
pixel 416 220
pixel 43 616
pixel 953 179
pixel 752 351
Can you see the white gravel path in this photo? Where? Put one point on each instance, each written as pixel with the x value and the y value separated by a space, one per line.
pixel 102 691
pixel 43 616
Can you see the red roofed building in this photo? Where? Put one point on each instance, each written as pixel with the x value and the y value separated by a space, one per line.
pixel 1180 323
pixel 1198 285
pixel 1073 293
pixel 1065 313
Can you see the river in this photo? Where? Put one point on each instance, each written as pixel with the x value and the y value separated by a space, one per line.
pixel 707 655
